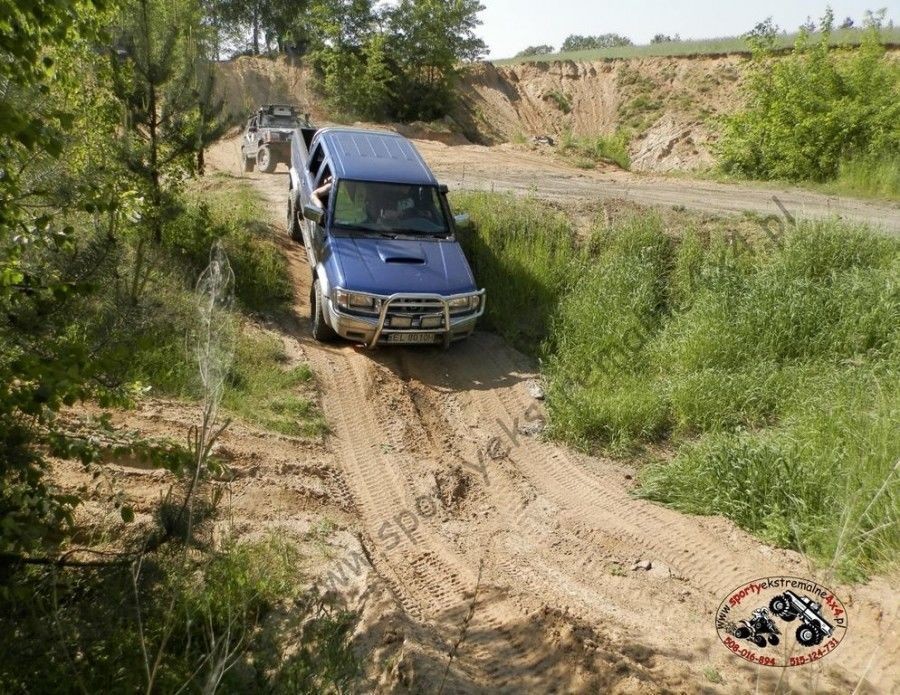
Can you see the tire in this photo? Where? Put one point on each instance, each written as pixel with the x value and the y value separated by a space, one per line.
pixel 809 635
pixel 773 640
pixel 265 160
pixel 780 607
pixel 742 632
pixel 321 331
pixel 249 163
pixel 760 641
pixel 293 224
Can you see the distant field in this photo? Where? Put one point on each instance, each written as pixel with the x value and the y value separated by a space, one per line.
pixel 729 44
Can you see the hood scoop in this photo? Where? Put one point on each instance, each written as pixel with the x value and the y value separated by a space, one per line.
pixel 401 253
pixel 404 260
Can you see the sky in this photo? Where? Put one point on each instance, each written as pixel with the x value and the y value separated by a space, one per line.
pixel 511 25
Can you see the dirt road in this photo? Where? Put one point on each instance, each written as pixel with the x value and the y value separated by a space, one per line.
pixel 511 168
pixel 460 509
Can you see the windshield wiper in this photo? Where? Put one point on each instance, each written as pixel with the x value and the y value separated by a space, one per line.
pixel 367 230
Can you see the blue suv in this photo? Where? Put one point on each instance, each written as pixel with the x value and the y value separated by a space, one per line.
pixel 381 241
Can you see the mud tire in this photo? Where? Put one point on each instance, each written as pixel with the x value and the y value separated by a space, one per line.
pixel 321 331
pixel 265 160
pixel 809 635
pixel 249 163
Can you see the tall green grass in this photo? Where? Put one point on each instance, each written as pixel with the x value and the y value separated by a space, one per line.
pixel 587 152
pixel 875 178
pixel 522 254
pixel 262 388
pixel 771 371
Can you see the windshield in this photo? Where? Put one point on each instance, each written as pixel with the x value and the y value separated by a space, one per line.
pixel 279 122
pixel 389 208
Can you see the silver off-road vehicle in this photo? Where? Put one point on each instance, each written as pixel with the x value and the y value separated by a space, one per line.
pixel 267 136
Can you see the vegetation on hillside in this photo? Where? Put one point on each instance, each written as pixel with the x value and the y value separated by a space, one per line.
pixel 106 110
pixel 395 62
pixel 674 46
pixel 818 114
pixel 767 365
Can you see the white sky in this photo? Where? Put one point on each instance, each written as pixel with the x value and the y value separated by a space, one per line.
pixel 511 25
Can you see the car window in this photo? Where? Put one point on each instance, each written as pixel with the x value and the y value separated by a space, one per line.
pixel 315 159
pixel 389 208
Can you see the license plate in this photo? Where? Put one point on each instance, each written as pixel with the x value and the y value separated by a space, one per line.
pixel 411 338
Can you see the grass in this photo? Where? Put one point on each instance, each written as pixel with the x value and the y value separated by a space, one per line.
pixel 769 371
pixel 522 254
pixel 870 179
pixel 728 44
pixel 267 393
pixel 712 675
pixel 231 209
pixel 563 101
pixel 262 388
pixel 586 152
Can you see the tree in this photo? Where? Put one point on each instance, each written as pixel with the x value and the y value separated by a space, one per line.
pixel 665 38
pixel 847 23
pixel 428 42
pixel 161 78
pixel 576 42
pixel 540 50
pixel 811 111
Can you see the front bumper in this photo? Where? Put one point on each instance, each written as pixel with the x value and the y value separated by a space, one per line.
pixel 404 315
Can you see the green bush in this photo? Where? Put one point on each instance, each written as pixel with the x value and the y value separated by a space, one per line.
pixel 588 151
pixel 813 111
pixel 768 366
pixel 197 614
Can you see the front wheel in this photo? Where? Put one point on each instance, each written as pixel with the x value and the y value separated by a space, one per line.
pixel 809 635
pixel 321 331
pixel 265 160
pixel 249 163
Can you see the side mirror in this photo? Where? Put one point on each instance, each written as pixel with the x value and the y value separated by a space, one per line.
pixel 444 189
pixel 463 221
pixel 314 213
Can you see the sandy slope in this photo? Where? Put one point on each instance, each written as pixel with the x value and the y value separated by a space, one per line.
pixel 450 497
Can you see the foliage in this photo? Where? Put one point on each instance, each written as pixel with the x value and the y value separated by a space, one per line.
pixel 209 618
pixel 540 50
pixel 576 42
pixel 665 38
pixel 768 367
pixel 399 62
pixel 587 151
pixel 522 254
pixel 813 110
pixel 736 45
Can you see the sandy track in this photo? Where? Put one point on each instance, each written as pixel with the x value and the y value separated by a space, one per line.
pixel 512 169
pixel 446 489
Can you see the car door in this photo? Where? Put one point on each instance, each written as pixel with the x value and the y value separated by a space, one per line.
pixel 317 235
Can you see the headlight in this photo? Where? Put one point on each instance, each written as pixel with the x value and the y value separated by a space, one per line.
pixel 354 300
pixel 465 303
